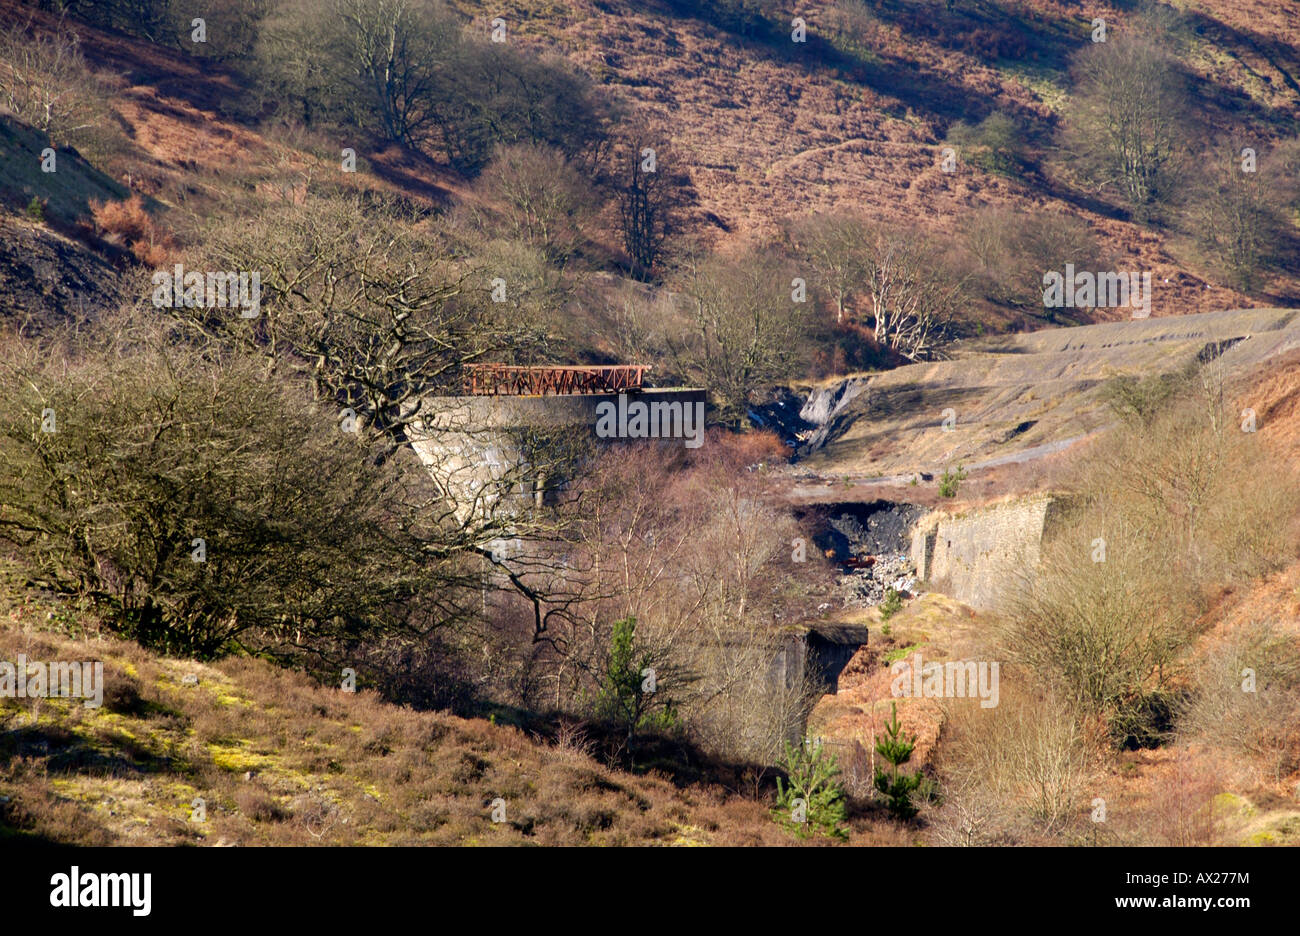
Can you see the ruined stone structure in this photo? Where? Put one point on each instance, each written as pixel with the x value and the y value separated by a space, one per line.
pixel 818 653
pixel 822 651
pixel 974 554
pixel 475 446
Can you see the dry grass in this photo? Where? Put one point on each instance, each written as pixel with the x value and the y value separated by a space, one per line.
pixel 129 224
pixel 856 128
pixel 278 760
pixel 858 123
pixel 1020 772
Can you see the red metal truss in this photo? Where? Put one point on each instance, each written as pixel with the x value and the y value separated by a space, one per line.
pixel 508 380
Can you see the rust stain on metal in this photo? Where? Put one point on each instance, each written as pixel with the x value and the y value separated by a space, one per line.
pixel 509 380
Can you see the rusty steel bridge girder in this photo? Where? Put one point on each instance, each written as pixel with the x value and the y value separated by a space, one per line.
pixel 511 380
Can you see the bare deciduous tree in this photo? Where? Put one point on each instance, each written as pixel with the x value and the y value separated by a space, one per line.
pixel 44 80
pixel 382 309
pixel 204 505
pixel 688 552
pixel 1013 249
pixel 407 69
pixel 1018 772
pixel 532 193
pixel 834 246
pixel 393 50
pixel 1125 121
pixel 1235 214
pixel 650 190
pixel 913 298
pixel 747 325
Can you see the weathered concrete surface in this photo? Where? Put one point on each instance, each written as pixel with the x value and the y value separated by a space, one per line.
pixel 972 555
pixel 821 652
pixel 818 654
pixel 471 445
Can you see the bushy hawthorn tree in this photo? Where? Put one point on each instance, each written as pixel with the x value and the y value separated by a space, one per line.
pixel 203 505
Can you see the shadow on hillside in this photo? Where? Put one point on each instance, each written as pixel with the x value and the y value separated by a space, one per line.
pixel 672 757
pixel 916 88
pixel 1047 183
pixel 66 192
pixel 1285 258
pixel 65 753
pixel 1213 99
pixel 986 29
pixel 1234 104
pixel 1271 50
pixel 12 836
pixel 198 80
pixel 38 751
pixel 685 765
pixel 409 171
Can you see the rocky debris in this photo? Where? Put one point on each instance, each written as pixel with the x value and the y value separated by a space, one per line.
pixel 866 586
pixel 781 414
pixel 804 424
pixel 46 278
pixel 874 529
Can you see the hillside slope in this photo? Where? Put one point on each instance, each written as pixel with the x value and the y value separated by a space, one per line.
pixel 766 128
pixel 1018 397
pixel 770 128
pixel 277 760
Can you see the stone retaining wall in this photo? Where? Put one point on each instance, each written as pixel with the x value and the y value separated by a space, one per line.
pixel 974 554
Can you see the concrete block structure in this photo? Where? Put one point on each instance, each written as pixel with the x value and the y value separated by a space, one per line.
pixel 821 651
pixel 475 446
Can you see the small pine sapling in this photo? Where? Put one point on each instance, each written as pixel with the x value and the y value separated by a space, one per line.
pixel 897 788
